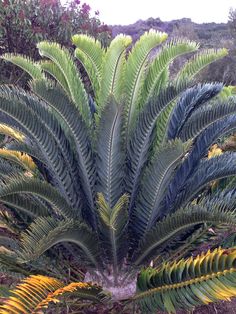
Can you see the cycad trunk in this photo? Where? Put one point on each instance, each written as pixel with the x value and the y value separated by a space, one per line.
pixel 124 289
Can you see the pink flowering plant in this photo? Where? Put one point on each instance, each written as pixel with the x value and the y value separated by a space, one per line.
pixel 23 23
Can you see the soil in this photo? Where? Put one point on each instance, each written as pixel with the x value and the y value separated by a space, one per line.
pixel 222 307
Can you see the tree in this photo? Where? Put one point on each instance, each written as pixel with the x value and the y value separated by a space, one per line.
pixel 115 180
pixel 232 22
pixel 26 22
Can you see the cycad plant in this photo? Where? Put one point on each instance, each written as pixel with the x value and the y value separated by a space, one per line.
pixel 110 179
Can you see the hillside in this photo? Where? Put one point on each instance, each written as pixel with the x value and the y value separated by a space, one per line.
pixel 209 35
pixel 204 32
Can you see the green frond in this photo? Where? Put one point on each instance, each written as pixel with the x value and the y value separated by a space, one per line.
pixel 22 159
pixel 183 219
pixel 28 185
pixel 52 68
pixel 209 277
pixel 25 63
pixel 142 137
pixel 110 153
pixel 26 204
pixel 10 266
pixel 78 134
pixel 35 293
pixel 31 113
pixel 206 115
pixel 8 168
pixel 199 62
pixel 7 130
pixel 135 71
pixel 113 227
pixel 113 70
pixel 31 150
pixel 91 54
pixel 160 136
pixel 61 57
pixel 227 91
pixel 169 52
pixel 155 180
pixel 45 232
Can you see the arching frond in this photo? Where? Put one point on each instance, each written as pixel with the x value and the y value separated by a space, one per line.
pixel 214 212
pixel 90 53
pixel 199 62
pixel 141 139
pixel 200 148
pixel 26 205
pixel 29 149
pixel 188 283
pixel 79 134
pixel 36 292
pixel 190 100
pixel 113 228
pixel 110 154
pixel 32 186
pixel 135 72
pixel 45 131
pixel 160 136
pixel 52 68
pixel 155 180
pixel 45 232
pixel 64 62
pixel 25 63
pixel 204 116
pixel 209 170
pixel 24 160
pixel 6 130
pixel 169 52
pixel 113 70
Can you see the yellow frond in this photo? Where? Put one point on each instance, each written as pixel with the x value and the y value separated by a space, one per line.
pixel 214 151
pixel 207 278
pixel 20 158
pixel 36 292
pixel 4 129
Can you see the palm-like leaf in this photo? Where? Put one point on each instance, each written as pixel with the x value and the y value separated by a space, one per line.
pixel 156 179
pixel 45 232
pixel 182 219
pixel 169 52
pixel 24 160
pixel 188 283
pixel 113 229
pixel 65 64
pixel 4 129
pixel 32 186
pixel 112 70
pixel 199 62
pixel 90 54
pixel 110 160
pixel 28 65
pixel 35 293
pixel 135 70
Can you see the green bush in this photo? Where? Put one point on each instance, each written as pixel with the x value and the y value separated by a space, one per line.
pixel 23 23
pixel 114 180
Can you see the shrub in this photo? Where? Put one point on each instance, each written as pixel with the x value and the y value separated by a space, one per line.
pixel 26 22
pixel 114 181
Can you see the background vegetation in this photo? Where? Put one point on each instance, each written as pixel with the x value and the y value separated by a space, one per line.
pixel 23 23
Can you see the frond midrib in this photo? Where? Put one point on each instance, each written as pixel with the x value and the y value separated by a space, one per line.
pixel 156 195
pixel 110 170
pixel 185 283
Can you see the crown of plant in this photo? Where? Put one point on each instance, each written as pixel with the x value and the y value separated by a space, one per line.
pixel 112 173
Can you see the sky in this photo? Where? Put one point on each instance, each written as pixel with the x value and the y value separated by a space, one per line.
pixel 129 11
